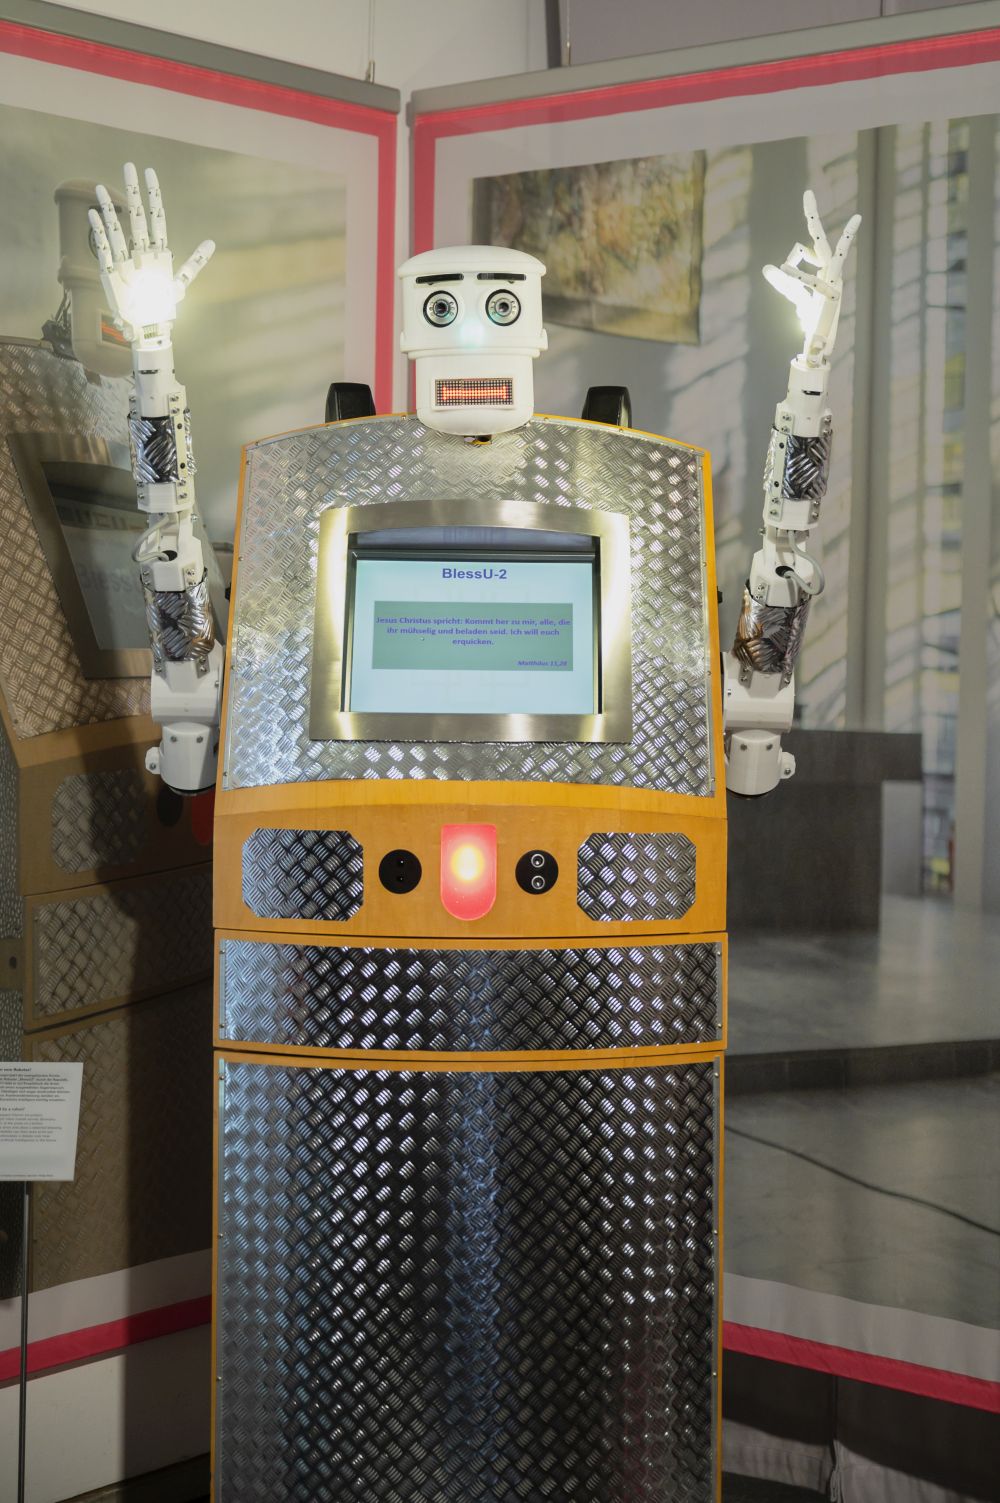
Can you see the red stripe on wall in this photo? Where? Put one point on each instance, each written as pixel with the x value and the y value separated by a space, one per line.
pixel 112 1336
pixel 886 1372
pixel 956 51
pixel 249 93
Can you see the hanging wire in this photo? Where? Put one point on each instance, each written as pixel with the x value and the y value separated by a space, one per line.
pixel 569 33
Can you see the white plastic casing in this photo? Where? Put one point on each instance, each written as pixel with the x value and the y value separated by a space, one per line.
pixel 472 346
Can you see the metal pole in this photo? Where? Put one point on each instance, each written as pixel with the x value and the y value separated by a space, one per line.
pixel 22 1422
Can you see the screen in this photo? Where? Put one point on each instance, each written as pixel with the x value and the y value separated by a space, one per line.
pixel 473 636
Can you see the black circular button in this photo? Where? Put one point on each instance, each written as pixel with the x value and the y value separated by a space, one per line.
pixel 537 871
pixel 399 871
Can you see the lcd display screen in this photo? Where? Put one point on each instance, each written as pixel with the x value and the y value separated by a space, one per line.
pixel 472 635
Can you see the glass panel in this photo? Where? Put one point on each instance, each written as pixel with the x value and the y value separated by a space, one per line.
pixel 926 444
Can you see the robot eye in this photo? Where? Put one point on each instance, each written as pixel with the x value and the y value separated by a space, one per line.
pixel 503 307
pixel 440 309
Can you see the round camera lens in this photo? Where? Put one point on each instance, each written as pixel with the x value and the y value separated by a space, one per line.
pixel 502 308
pixel 440 309
pixel 538 883
pixel 537 859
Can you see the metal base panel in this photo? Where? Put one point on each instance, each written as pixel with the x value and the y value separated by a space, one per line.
pixel 466 1286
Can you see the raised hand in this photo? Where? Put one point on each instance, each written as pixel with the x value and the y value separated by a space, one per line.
pixel 815 294
pixel 141 287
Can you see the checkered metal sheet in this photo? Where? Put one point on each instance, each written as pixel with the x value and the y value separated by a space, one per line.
pixel 111 945
pixel 292 480
pixel 100 819
pixel 306 874
pixel 11 902
pixel 45 686
pixel 622 878
pixel 143 1184
pixel 336 997
pixel 466 1287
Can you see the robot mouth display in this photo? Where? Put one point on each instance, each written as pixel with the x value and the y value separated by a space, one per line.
pixel 475 391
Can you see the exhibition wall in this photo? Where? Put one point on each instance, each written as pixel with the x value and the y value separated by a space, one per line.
pixel 907 521
pixel 655 188
pixel 299 171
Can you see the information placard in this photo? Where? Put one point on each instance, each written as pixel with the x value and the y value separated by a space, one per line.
pixel 39 1120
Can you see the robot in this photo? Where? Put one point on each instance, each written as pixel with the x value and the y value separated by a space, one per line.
pixel 469 855
pixel 100 865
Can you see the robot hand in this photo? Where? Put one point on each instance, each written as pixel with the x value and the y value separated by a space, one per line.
pixel 141 288
pixel 815 294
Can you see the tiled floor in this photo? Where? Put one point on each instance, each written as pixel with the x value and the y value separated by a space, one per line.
pixel 931 973
pixel 913 1236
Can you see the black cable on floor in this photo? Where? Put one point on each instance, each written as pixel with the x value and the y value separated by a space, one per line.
pixel 852 1179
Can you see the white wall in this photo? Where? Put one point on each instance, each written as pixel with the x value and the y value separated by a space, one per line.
pixel 419 44
pixel 630 28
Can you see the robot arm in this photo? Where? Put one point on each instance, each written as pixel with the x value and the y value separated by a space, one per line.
pixel 143 293
pixel 759 694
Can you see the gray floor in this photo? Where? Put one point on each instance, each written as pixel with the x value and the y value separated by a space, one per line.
pixel 931 973
pixel 794 1222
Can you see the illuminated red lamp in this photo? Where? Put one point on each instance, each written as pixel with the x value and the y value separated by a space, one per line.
pixel 474 391
pixel 468 869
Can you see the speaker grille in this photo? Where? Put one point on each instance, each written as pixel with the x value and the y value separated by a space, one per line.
pixel 307 874
pixel 466 1287
pixel 622 877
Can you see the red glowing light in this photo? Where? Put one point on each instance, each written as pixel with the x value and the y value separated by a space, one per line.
pixel 468 869
pixel 475 391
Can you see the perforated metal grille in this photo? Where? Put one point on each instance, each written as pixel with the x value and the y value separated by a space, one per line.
pixel 119 943
pixel 466 1287
pixel 457 1000
pixel 292 480
pixel 99 819
pixel 308 874
pixel 621 876
pixel 143 1184
pixel 477 392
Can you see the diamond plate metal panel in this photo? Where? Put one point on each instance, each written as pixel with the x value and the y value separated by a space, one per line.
pixel 623 877
pixel 11 1016
pixel 466 1287
pixel 807 466
pixel 43 682
pixel 336 997
pixel 291 480
pixel 122 942
pixel 100 819
pixel 144 1160
pixel 11 902
pixel 306 874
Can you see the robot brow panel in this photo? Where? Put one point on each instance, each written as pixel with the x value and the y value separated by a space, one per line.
pixel 444 276
pixel 496 276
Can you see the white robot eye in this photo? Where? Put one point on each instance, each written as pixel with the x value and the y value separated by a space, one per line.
pixel 503 307
pixel 440 309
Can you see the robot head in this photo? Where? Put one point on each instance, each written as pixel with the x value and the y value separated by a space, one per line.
pixel 472 325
